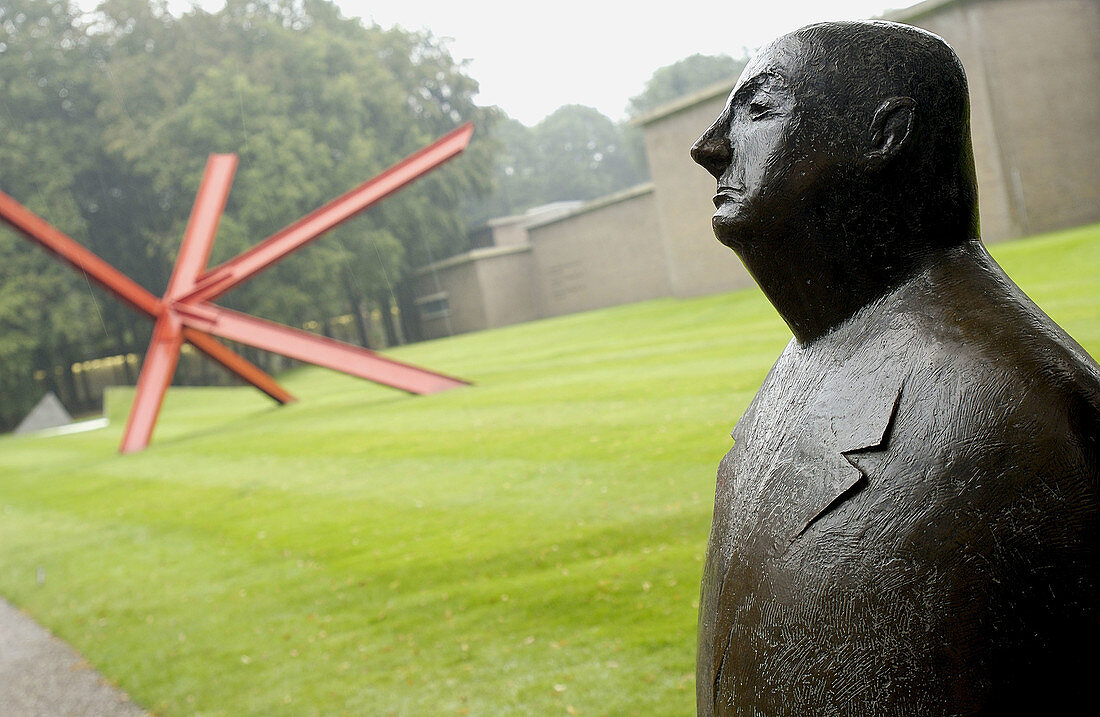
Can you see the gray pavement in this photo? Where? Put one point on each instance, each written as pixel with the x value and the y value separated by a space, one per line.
pixel 41 676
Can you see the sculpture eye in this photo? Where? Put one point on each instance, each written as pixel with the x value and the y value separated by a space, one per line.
pixel 760 110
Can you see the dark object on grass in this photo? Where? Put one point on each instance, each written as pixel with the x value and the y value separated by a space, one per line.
pixel 907 522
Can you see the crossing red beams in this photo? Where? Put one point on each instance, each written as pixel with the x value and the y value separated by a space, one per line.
pixel 185 312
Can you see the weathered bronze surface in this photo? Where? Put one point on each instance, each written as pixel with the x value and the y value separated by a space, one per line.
pixel 907 522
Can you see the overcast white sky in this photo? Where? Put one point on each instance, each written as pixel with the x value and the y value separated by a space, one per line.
pixel 531 58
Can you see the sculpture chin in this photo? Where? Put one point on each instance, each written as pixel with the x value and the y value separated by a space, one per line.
pixel 729 229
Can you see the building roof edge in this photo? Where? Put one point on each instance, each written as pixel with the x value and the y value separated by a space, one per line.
pixel 687 101
pixel 921 9
pixel 599 203
pixel 472 255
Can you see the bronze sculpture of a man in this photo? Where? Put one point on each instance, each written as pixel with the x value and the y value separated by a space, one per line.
pixel 907 522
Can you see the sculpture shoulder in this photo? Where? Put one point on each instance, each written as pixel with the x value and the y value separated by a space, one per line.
pixel 916 490
pixel 979 351
pixel 998 414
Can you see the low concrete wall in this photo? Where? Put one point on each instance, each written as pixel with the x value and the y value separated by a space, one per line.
pixel 607 253
pixel 507 285
pixel 481 289
pixel 697 263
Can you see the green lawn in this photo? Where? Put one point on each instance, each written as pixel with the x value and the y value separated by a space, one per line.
pixel 531 545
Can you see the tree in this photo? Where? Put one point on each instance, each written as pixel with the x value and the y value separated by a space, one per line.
pixel 108 120
pixel 574 153
pixel 683 77
pixel 314 103
pixel 47 313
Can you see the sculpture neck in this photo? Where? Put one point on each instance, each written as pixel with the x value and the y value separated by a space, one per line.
pixel 817 283
pixel 812 306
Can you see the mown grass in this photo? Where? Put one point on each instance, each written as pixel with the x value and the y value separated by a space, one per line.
pixel 531 545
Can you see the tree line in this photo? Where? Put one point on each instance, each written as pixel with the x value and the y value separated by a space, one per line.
pixel 106 120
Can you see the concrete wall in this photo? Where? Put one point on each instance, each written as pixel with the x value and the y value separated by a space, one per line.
pixel 484 288
pixel 607 253
pixel 458 283
pixel 509 231
pixel 1034 73
pixel 507 287
pixel 697 263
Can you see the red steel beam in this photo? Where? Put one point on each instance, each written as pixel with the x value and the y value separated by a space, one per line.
pixel 133 294
pixel 198 238
pixel 236 271
pixel 237 365
pixel 318 350
pixel 184 314
pixel 163 354
pixel 156 375
pixel 41 232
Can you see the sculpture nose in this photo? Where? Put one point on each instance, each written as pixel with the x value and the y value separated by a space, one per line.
pixel 712 151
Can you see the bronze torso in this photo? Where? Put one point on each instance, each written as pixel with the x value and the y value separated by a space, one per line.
pixel 907 522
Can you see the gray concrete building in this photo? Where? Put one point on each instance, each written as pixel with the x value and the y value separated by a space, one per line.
pixel 1034 73
pixel 608 252
pixel 697 264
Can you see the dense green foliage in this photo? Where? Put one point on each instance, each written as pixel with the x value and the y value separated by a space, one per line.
pixel 574 153
pixel 47 117
pixel 530 545
pixel 682 78
pixel 107 121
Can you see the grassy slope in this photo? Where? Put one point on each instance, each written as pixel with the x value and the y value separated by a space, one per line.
pixel 529 546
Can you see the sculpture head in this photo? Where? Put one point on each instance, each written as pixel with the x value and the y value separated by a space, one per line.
pixel 843 153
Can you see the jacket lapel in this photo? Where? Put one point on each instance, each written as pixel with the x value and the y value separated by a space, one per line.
pixel 851 415
pixel 849 411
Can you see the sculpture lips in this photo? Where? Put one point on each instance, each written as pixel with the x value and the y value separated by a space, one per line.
pixel 725 194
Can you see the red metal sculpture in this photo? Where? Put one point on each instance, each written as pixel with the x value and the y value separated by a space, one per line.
pixel 185 312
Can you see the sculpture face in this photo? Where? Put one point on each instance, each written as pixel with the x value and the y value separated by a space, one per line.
pixel 764 150
pixel 840 158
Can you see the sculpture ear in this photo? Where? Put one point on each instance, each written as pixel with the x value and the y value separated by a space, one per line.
pixel 890 130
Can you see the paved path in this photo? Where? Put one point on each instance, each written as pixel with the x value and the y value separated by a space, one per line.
pixel 41 676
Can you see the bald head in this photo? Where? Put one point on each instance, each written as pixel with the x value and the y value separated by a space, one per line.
pixel 850 68
pixel 843 161
pixel 863 65
pixel 876 112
